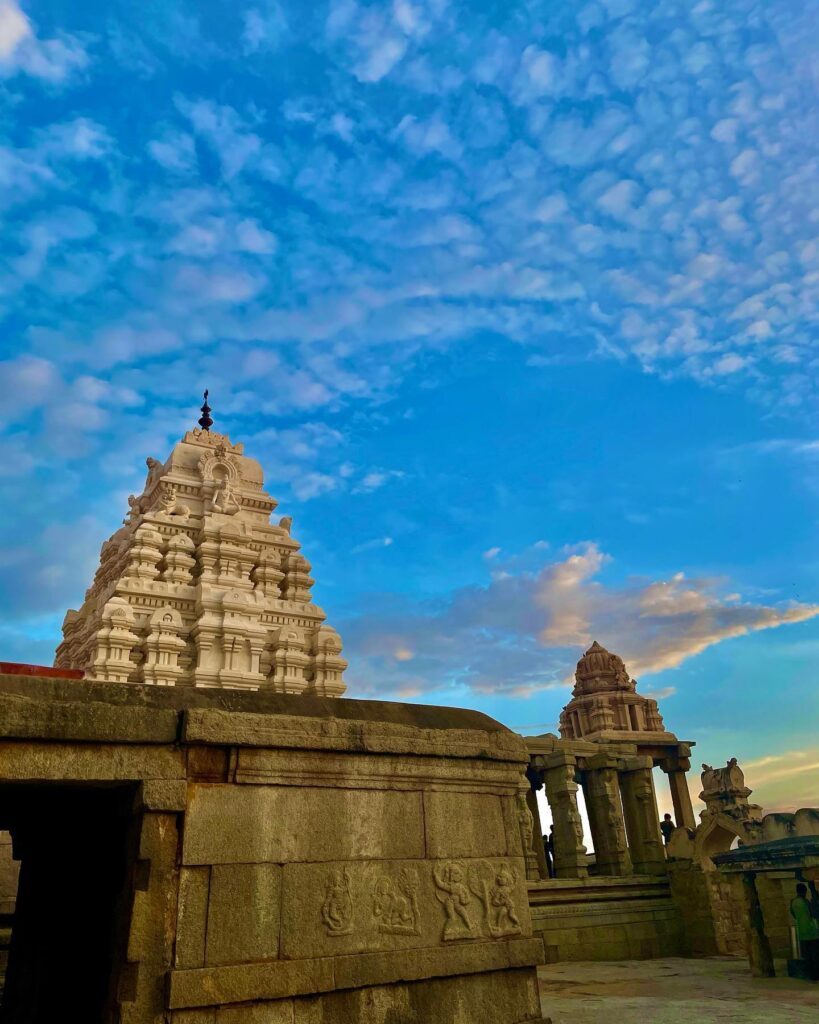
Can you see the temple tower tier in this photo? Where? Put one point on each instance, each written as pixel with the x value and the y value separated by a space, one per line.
pixel 199 588
pixel 605 703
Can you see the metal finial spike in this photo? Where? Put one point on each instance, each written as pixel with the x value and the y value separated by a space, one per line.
pixel 205 422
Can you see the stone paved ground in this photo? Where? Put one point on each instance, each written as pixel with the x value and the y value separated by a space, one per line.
pixel 719 990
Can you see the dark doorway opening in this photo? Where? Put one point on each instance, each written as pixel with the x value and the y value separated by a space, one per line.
pixel 75 847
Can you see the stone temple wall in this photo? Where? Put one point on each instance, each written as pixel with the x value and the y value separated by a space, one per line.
pixel 286 858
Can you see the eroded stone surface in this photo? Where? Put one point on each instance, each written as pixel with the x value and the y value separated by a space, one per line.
pixel 314 880
pixel 333 825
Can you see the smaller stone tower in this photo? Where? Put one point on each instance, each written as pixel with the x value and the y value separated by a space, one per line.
pixel 605 704
pixel 198 588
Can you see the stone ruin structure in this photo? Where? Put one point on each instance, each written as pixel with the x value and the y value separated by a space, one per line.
pixel 618 904
pixel 194 856
pixel 715 905
pixel 633 898
pixel 199 588
pixel 605 704
pixel 205 838
pixel 766 874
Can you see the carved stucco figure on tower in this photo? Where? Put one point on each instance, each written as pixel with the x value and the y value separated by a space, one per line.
pixel 199 588
pixel 605 703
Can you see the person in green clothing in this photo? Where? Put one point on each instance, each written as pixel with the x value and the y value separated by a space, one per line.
pixel 807 930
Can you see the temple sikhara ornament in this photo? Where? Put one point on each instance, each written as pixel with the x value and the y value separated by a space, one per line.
pixel 199 588
pixel 605 701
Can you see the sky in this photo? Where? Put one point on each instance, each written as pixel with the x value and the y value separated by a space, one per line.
pixel 516 303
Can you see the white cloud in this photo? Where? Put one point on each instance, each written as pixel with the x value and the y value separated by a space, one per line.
pixel 264 29
pixel 27 382
pixel 223 128
pixel 175 151
pixel 372 545
pixel 14 28
pixel 311 485
pixel 375 479
pixel 523 630
pixel 784 782
pixel 52 60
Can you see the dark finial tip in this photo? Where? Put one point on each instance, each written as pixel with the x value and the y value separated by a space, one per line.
pixel 205 422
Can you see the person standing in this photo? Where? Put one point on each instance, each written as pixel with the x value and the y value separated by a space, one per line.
pixel 667 827
pixel 547 853
pixel 807 930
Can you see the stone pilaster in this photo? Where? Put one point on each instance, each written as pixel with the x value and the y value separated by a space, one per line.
pixel 114 642
pixel 602 793
pixel 561 792
pixel 526 825
pixel 163 648
pixel 641 817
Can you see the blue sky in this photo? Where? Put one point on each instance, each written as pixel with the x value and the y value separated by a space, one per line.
pixel 516 303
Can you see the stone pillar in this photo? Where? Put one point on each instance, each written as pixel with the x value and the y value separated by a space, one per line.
pixel 561 792
pixel 537 837
pixel 681 799
pixel 606 816
pixel 526 825
pixel 641 817
pixel 759 948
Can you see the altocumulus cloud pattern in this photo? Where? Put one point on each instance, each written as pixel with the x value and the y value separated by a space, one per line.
pixel 307 201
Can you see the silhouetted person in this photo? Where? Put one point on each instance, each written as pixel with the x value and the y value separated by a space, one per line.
pixel 807 930
pixel 667 826
pixel 547 853
pixel 551 842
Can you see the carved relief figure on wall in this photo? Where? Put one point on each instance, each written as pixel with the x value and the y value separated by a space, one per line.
pixel 170 504
pixel 573 816
pixel 616 830
pixel 455 898
pixel 224 500
pixel 154 471
pixel 526 823
pixel 395 904
pixel 337 911
pixel 494 888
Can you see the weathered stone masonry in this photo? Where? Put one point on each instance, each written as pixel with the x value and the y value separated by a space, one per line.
pixel 294 859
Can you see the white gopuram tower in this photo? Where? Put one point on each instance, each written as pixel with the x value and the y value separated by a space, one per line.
pixel 198 588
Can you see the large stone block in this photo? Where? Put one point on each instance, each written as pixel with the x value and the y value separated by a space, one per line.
pixel 88 721
pixel 502 996
pixel 465 825
pixel 371 771
pixel 90 762
pixel 192 916
pixel 364 731
pixel 280 979
pixel 243 913
pixel 290 824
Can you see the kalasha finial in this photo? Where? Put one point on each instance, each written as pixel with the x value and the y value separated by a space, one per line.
pixel 205 422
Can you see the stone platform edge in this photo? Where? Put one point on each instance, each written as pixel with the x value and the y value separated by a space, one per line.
pixel 61 709
pixel 281 979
